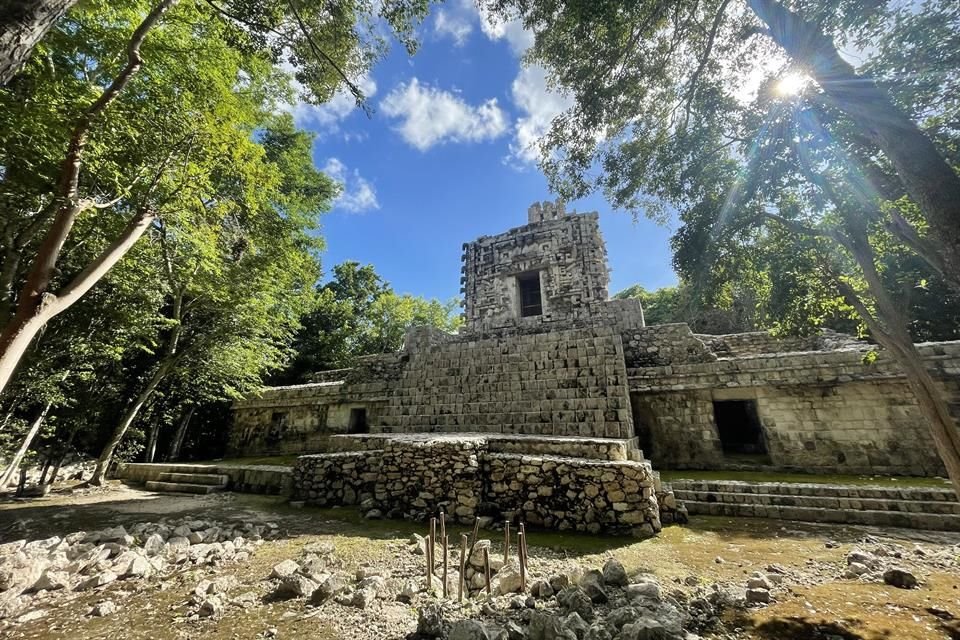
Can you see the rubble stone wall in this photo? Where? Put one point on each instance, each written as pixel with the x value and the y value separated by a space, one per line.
pixel 573 494
pixel 417 477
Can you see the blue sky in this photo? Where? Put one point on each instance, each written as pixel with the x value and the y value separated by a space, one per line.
pixel 446 157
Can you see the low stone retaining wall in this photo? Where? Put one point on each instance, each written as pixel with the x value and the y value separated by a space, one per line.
pixel 253 478
pixel 570 493
pixel 415 478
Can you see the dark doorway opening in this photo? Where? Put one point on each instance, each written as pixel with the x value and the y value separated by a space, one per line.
pixel 530 300
pixel 738 425
pixel 643 421
pixel 358 420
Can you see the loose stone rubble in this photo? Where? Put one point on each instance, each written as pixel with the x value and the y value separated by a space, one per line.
pixel 35 573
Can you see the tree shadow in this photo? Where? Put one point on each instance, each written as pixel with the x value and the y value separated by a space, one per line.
pixel 798 628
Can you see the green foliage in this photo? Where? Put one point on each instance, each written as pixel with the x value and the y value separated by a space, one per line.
pixel 213 295
pixel 356 313
pixel 677 103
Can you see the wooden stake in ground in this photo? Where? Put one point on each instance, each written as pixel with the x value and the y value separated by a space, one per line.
pixel 443 538
pixel 506 541
pixel 429 564
pixel 475 535
pixel 443 525
pixel 433 544
pixel 463 568
pixel 486 568
pixel 523 530
pixel 523 568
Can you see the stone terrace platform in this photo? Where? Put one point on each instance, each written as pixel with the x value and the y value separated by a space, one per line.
pixel 907 507
pixel 266 479
pixel 566 446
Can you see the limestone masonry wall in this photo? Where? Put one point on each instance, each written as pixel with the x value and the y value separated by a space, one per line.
pixel 415 478
pixel 567 383
pixel 827 412
pixel 567 253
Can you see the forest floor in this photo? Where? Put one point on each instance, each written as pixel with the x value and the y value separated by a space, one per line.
pixel 816 602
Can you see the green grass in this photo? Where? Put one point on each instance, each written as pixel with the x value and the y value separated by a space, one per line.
pixel 761 476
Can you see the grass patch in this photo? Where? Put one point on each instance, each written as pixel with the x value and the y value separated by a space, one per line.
pixel 761 476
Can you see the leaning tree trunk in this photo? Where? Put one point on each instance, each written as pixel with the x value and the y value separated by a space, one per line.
pixel 24 447
pixel 106 455
pixel 929 180
pixel 889 328
pixel 23 23
pixel 37 305
pixel 181 433
pixel 152 439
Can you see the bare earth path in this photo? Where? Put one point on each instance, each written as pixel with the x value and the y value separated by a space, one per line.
pixel 816 602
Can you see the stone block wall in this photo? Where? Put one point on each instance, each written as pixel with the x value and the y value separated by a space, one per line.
pixel 416 477
pixel 565 249
pixel 336 479
pixel 573 494
pixel 822 412
pixel 565 383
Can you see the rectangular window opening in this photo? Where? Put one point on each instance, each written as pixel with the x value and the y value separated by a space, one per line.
pixel 528 285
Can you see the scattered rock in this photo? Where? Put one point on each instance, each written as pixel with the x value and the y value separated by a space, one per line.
pixel 102 609
pixel 758 596
pixel 614 574
pixel 212 607
pixel 592 583
pixel 900 578
pixel 474 630
pixel 284 569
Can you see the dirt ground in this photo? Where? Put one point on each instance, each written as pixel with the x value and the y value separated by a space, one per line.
pixel 818 604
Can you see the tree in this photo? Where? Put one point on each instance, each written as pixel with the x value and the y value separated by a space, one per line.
pixel 324 43
pixel 643 67
pixel 842 176
pixel 356 313
pixel 23 23
pixel 238 269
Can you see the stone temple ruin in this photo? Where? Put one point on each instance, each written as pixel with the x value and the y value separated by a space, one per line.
pixel 552 402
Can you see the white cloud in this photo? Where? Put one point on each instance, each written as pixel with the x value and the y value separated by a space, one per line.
pixel 512 31
pixel 327 117
pixel 453 25
pixel 430 116
pixel 539 106
pixel 357 194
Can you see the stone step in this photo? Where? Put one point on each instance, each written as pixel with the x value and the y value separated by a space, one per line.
pixel 929 494
pixel 214 479
pixel 934 521
pixel 180 487
pixel 821 502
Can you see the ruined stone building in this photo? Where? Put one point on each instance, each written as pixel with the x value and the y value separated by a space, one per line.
pixel 552 382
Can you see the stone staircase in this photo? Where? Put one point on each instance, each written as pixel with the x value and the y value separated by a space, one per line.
pixel 909 507
pixel 175 482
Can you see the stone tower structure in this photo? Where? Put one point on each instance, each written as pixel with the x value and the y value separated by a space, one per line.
pixel 549 271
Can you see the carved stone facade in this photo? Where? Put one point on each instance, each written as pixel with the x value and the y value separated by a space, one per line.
pixel 545 358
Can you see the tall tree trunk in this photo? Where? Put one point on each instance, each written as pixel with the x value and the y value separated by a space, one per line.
pixel 152 440
pixel 23 23
pixel 926 175
pixel 181 433
pixel 36 304
pixel 106 455
pixel 889 327
pixel 163 368
pixel 11 469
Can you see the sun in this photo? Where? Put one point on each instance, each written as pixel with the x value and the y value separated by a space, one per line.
pixel 790 84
